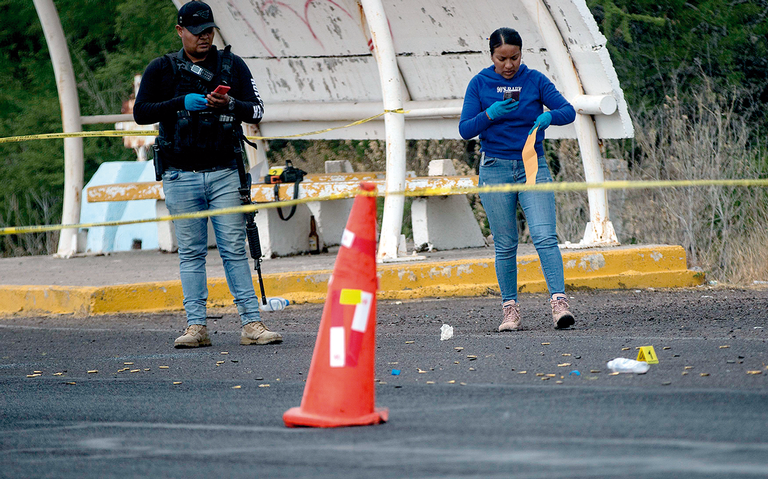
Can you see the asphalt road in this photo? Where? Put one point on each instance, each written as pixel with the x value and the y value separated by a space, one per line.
pixel 698 413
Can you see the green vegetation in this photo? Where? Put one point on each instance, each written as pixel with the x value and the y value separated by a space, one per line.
pixel 109 42
pixel 657 46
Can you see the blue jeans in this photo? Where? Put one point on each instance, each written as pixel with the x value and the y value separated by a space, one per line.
pixel 187 192
pixel 539 210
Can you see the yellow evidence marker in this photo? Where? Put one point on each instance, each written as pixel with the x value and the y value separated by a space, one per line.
pixel 648 355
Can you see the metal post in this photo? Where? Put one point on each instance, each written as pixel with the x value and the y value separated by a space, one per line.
pixel 392 93
pixel 599 230
pixel 70 118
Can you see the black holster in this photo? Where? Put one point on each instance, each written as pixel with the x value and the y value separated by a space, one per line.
pixel 157 159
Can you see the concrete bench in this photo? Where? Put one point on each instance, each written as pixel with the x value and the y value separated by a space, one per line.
pixel 438 222
pixel 444 222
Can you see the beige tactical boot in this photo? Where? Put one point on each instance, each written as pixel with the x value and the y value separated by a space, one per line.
pixel 195 336
pixel 561 316
pixel 257 333
pixel 511 321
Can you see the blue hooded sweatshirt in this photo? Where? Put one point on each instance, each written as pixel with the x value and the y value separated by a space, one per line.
pixel 505 136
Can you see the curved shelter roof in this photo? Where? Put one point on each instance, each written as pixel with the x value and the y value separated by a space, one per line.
pixel 314 66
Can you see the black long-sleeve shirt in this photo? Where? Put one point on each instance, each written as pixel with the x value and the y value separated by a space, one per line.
pixel 156 101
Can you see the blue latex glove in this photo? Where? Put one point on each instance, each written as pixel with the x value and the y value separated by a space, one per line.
pixel 542 122
pixel 501 108
pixel 195 102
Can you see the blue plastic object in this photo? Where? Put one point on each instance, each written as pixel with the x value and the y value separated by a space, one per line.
pixel 576 372
pixel 103 239
pixel 395 372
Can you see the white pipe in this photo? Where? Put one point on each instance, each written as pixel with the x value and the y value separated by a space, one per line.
pixel 595 104
pixel 70 118
pixel 586 132
pixel 442 112
pixel 99 119
pixel 347 111
pixel 391 89
pixel 326 111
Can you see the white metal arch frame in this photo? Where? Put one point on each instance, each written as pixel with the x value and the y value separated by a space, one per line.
pixel 599 230
pixel 391 90
pixel 70 117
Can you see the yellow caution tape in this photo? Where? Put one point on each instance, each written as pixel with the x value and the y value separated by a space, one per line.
pixel 575 186
pixel 16 230
pixel 514 187
pixel 504 188
pixel 78 134
pixel 120 133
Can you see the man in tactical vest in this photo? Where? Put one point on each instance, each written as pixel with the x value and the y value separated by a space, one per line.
pixel 197 151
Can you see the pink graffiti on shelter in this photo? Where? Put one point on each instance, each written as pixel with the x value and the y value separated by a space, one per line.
pixel 304 18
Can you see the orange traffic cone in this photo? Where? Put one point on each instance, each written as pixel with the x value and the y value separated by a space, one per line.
pixel 340 387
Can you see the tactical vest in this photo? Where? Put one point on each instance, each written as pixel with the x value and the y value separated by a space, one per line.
pixel 196 132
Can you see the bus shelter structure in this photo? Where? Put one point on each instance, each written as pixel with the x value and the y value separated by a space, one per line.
pixel 322 64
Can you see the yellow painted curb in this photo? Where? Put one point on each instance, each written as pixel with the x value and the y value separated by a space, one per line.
pixel 658 267
pixel 44 300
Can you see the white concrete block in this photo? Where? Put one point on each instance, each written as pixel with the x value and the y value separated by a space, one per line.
pixel 283 238
pixel 332 216
pixel 444 222
pixel 166 233
pixel 441 168
pixel 338 166
pixel 402 248
pixel 331 219
pixel 81 240
pixel 118 238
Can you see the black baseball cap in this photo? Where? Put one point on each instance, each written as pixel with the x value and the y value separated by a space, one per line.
pixel 196 16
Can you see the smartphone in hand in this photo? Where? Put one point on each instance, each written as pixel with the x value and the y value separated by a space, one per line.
pixel 514 94
pixel 221 89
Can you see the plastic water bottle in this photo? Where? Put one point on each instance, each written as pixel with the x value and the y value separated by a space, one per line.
pixel 274 304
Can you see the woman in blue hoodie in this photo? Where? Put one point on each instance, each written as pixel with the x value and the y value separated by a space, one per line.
pixel 503 104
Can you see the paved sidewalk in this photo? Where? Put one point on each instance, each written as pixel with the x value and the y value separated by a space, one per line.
pixel 152 265
pixel 148 281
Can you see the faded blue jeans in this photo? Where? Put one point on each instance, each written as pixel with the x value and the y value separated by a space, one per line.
pixel 539 210
pixel 187 192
